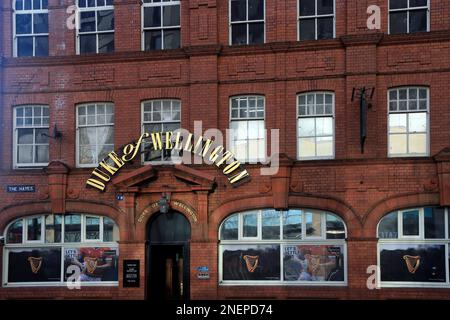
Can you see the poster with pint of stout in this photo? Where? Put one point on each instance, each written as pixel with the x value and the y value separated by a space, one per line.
pixel 412 262
pixel 251 262
pixel 96 264
pixel 34 265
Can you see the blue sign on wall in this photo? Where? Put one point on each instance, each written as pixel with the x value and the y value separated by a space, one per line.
pixel 20 188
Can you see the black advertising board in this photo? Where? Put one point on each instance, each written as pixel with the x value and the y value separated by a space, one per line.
pixel 131 273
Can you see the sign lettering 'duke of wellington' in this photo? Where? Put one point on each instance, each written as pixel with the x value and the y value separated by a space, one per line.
pixel 172 141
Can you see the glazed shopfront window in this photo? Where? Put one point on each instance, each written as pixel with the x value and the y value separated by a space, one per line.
pixel 413 248
pixel 298 246
pixel 45 249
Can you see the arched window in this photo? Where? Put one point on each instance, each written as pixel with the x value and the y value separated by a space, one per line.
pixel 298 246
pixel 413 248
pixel 55 249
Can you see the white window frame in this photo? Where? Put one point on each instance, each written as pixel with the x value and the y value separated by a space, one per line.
pixel 315 116
pixel 161 28
pixel 34 35
pixel 161 122
pixel 78 127
pixel 408 9
pixel 282 243
pixel 78 25
pixel 246 22
pixel 247 119
pixel 408 112
pixel 16 129
pixel 421 240
pixel 62 245
pixel 316 16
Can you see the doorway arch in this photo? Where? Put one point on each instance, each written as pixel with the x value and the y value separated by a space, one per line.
pixel 168 238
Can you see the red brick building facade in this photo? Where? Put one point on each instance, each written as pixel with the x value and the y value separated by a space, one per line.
pixel 203 75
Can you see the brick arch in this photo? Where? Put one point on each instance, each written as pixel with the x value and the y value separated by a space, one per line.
pixel 295 201
pixel 150 211
pixel 387 205
pixel 11 213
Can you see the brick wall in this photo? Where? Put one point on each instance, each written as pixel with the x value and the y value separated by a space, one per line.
pixel 204 74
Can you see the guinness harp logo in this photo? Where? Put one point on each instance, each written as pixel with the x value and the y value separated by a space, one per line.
pixel 412 263
pixel 91 264
pixel 35 264
pixel 251 262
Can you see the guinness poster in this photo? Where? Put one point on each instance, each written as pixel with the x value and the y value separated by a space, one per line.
pixel 34 265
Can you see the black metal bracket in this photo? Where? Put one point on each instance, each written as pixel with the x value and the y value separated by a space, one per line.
pixel 365 97
pixel 56 134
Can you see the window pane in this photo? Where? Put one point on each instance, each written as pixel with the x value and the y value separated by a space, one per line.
pixel 229 230
pixel 250 225
pixel 153 40
pixel 397 123
pixel 88 43
pixel 25 46
pixel 418 21
pixel 324 6
pixel 418 3
pixel 397 144
pixel 417 122
pixel 398 22
pixel 335 227
pixel 41 49
pixel 40 22
pixel 410 223
pixel 324 126
pixel 41 136
pixel 25 154
pixel 307 29
pixel 313 224
pixel 152 17
pixel 434 223
pixel 23 24
pixel 171 15
pixel 307 147
pixel 256 33
pixel 270 224
pixel 398 4
pixel 307 7
pixel 172 39
pixel 53 229
pixel 418 143
pixel 72 228
pixel 105 20
pixel 255 9
pixel 238 10
pixel 92 228
pixel 15 232
pixel 306 127
pixel 239 34
pixel 25 136
pixel 325 27
pixel 110 230
pixel 87 21
pixel 41 155
pixel 388 227
pixel 106 42
pixel 34 226
pixel 324 146
pixel 292 224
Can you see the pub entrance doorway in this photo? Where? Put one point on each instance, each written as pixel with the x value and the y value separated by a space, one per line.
pixel 168 257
